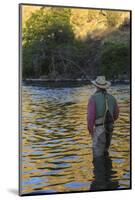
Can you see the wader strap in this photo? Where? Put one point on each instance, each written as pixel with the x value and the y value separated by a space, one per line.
pixel 106 108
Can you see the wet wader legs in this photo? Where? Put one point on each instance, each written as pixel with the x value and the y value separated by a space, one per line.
pixel 102 139
pixel 99 141
pixel 108 134
pixel 103 174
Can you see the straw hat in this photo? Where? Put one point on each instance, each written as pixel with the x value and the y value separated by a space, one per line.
pixel 101 82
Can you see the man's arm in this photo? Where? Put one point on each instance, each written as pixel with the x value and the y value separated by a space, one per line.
pixel 116 111
pixel 91 115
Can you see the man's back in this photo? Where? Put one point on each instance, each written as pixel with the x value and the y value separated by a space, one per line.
pixel 100 103
pixel 97 106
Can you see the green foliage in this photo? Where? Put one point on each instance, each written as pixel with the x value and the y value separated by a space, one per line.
pixel 115 59
pixel 43 33
pixel 51 49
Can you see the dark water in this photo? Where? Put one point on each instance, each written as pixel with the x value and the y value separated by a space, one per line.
pixel 56 146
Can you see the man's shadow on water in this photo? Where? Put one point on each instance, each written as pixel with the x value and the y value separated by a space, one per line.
pixel 103 174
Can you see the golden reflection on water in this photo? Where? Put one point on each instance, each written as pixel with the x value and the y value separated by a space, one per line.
pixel 56 146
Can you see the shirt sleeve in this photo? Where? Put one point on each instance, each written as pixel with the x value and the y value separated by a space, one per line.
pixel 116 111
pixel 91 114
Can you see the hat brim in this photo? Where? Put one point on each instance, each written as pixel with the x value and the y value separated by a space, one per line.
pixel 107 85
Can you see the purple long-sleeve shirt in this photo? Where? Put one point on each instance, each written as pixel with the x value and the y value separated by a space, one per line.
pixel 91 114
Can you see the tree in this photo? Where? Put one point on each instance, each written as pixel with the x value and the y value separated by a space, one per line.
pixel 115 59
pixel 43 33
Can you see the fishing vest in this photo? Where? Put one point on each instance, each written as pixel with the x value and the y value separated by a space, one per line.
pixel 99 98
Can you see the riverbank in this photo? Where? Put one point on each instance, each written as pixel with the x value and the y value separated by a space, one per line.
pixel 40 80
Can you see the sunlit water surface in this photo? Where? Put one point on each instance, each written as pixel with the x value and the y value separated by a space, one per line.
pixel 57 148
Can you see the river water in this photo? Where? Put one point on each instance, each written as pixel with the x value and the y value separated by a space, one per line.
pixel 56 150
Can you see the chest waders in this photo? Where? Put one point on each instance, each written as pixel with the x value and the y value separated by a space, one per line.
pixel 103 132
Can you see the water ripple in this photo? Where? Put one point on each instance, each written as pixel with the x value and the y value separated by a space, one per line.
pixel 56 146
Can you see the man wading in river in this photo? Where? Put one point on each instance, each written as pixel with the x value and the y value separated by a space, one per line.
pixel 101 114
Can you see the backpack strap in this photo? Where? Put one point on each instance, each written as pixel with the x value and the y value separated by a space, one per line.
pixel 106 108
